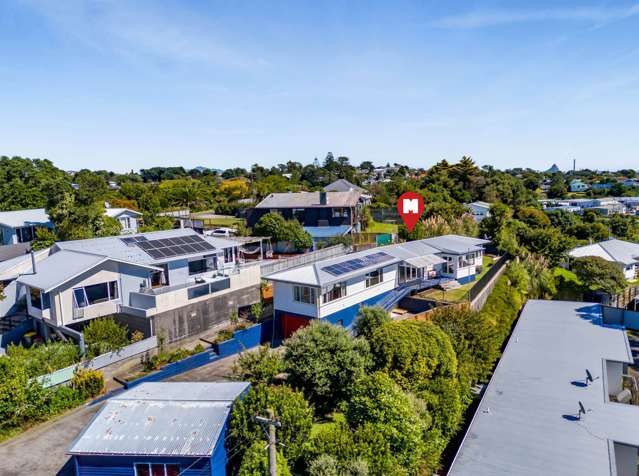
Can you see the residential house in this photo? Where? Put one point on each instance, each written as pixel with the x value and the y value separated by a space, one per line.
pixel 129 219
pixel 558 401
pixel 175 282
pixel 630 183
pixel 19 226
pixel 623 253
pixel 323 214
pixel 343 185
pixel 602 186
pixel 577 185
pixel 160 429
pixel 335 289
pixel 479 210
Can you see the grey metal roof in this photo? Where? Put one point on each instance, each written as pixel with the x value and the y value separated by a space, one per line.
pixel 314 275
pixel 343 185
pixel 18 218
pixel 615 250
pixel 161 419
pixel 9 252
pixel 524 423
pixel 309 200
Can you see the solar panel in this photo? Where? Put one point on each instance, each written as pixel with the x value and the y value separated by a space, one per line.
pixel 133 240
pixel 171 247
pixel 357 263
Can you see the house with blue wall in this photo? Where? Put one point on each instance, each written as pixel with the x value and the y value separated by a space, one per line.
pixel 159 428
pixel 19 226
pixel 334 289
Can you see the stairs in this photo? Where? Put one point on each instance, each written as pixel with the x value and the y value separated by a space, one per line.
pixel 396 295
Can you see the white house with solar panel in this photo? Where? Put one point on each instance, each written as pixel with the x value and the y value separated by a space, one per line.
pixel 173 281
pixel 336 288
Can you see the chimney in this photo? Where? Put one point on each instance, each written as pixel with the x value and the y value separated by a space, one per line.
pixel 323 198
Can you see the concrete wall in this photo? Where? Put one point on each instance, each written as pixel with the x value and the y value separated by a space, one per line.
pixel 199 316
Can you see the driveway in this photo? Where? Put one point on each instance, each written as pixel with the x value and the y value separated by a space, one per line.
pixel 41 451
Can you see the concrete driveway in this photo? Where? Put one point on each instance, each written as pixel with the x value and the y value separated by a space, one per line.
pixel 41 451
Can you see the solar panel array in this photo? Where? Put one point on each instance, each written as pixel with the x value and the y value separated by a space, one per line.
pixel 133 240
pixel 357 263
pixel 177 246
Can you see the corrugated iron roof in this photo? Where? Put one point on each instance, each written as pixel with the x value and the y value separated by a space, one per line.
pixel 310 200
pixel 161 419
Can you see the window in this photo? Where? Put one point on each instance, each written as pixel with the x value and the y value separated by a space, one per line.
pixel 36 298
pixel 304 294
pixel 156 469
pixel 298 214
pixel 340 212
pixel 450 268
pixel 25 234
pixel 374 277
pixel 197 267
pixel 126 222
pixel 96 294
pixel 228 255
pixel 334 292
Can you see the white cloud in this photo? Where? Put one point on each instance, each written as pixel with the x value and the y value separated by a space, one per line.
pixel 488 18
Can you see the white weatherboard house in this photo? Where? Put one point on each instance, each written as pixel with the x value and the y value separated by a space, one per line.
pixel 479 210
pixel 336 288
pixel 19 226
pixel 128 218
pixel 623 253
pixel 174 280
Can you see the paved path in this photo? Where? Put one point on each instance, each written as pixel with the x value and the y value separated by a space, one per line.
pixel 41 451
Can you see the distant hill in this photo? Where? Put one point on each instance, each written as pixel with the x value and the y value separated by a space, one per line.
pixel 553 170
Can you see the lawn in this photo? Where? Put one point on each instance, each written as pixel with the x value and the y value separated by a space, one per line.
pixel 376 227
pixel 461 293
pixel 220 220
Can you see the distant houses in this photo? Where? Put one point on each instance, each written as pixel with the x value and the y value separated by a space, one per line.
pixel 160 429
pixel 578 185
pixel 479 210
pixel 623 253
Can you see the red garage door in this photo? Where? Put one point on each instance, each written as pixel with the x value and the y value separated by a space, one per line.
pixel 291 323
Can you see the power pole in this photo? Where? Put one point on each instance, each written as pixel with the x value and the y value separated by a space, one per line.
pixel 272 441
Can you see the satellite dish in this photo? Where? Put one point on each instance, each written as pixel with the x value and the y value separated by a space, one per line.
pixel 589 376
pixel 582 409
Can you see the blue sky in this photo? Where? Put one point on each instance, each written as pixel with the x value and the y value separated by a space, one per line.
pixel 121 85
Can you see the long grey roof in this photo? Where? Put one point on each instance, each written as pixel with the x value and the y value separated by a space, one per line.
pixel 161 419
pixel 619 251
pixel 18 218
pixel 314 274
pixel 525 423
pixel 309 200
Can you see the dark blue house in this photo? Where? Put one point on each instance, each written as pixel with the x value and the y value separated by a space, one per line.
pixel 159 429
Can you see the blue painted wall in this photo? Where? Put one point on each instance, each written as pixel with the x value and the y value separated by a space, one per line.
pixel 344 317
pixel 466 279
pixel 123 465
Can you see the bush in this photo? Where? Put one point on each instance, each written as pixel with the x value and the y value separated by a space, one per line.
pixel 20 396
pixel 289 407
pixel 599 274
pixel 223 336
pixel 257 310
pixel 275 226
pixel 259 366
pixel 324 465
pixel 88 383
pixel 324 361
pixel 518 276
pixel 44 359
pixel 381 403
pixel 369 319
pixel 60 399
pixel 104 335
pixel 420 358
pixel 255 461
pixel 136 336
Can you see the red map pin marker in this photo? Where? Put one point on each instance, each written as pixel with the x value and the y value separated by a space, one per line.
pixel 410 206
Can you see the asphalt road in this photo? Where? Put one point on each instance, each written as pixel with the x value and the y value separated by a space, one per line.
pixel 41 451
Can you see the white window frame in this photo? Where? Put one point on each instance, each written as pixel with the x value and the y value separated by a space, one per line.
pixel 379 278
pixel 86 298
pixel 329 290
pixel 299 293
pixel 339 212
